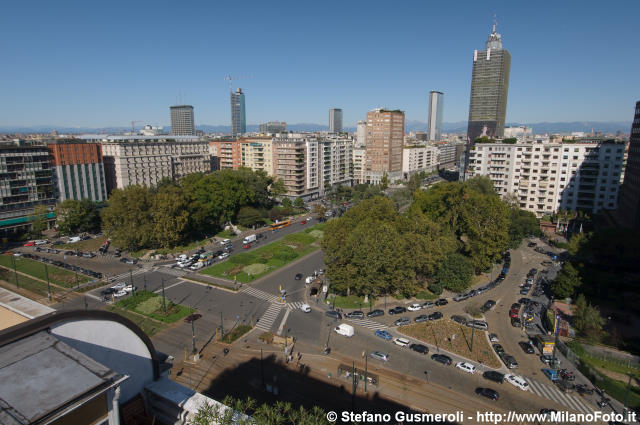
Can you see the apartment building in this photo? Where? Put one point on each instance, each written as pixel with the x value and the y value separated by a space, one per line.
pixel 384 144
pixel 26 181
pixel 145 160
pixel 359 165
pixel 416 159
pixel 227 152
pixel 295 161
pixel 79 170
pixel 450 153
pixel 257 153
pixel 336 167
pixel 546 177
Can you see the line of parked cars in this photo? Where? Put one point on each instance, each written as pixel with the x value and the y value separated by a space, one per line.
pixel 118 290
pixel 502 276
pixel 64 265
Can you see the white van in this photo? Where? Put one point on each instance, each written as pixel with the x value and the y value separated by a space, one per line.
pixel 249 239
pixel 344 330
pixel 74 239
pixel 517 381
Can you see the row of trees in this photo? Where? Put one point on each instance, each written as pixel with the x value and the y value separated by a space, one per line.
pixel 448 233
pixel 250 412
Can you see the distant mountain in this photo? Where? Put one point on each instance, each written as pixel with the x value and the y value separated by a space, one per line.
pixel 447 127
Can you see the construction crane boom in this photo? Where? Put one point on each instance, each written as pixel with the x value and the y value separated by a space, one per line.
pixel 230 78
pixel 133 125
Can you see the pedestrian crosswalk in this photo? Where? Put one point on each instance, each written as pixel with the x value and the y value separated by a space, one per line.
pixel 554 394
pixel 257 293
pixel 369 324
pixel 295 305
pixel 171 271
pixel 127 275
pixel 266 321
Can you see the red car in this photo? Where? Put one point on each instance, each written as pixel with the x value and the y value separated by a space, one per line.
pixel 513 314
pixel 303 222
pixel 30 243
pixel 246 246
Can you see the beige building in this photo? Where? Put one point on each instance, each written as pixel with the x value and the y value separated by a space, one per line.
pixel 295 161
pixel 257 153
pixel 416 159
pixel 384 144
pixel 359 165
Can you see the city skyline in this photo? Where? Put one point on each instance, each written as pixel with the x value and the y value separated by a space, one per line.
pixel 67 80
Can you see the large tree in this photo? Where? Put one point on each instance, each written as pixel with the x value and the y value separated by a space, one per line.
pixel 39 220
pixel 566 282
pixel 128 217
pixel 587 320
pixel 74 216
pixel 454 272
pixel 170 216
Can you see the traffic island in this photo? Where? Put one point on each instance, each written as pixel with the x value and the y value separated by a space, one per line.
pixel 152 305
pixel 456 339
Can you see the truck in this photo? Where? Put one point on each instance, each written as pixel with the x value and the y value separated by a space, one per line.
pixel 344 330
pixel 249 239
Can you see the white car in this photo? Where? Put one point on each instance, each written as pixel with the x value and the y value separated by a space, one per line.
pixel 494 338
pixel 41 242
pixel 517 381
pixel 414 307
pixel 128 288
pixel 225 241
pixel 223 256
pixel 309 219
pixel 120 293
pixel 306 308
pixel 119 286
pixel 466 367
pixel 402 342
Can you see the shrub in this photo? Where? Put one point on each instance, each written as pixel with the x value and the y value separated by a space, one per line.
pixel 436 288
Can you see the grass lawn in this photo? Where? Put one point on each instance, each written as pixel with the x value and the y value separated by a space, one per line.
pixel 352 302
pixel 148 326
pixel 149 304
pixel 88 245
pixel 442 331
pixel 226 234
pixel 236 333
pixel 24 282
pixel 248 266
pixel 57 275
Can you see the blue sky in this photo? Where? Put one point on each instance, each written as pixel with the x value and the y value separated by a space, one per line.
pixel 99 64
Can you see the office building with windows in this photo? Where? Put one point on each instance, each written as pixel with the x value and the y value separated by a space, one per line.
pixel 273 127
pixel 384 144
pixel 434 120
pixel 335 120
pixel 79 170
pixel 238 113
pixel 182 123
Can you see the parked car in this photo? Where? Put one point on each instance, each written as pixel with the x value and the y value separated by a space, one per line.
pixel 466 367
pixel 488 305
pixel 414 307
pixel 118 286
pixel 305 308
pixel 548 359
pixel 403 321
pixel 375 313
pixel 354 315
pixel 517 381
pixel 551 374
pixel 120 294
pixel 494 338
pixel 397 310
pixel 494 376
pixel 421 318
pixel 441 358
pixel 526 347
pixel 402 342
pixel 460 297
pixel 419 348
pixel 509 361
pixel 435 316
pixel 298 276
pixel 488 393
pixel 333 314
pixel 223 256
pixel 30 243
pixel 88 255
pixel 428 304
pixel 442 302
pixel 515 322
pixel 514 314
pixel 379 355
pixel 459 319
pixel 246 246
pixel 225 242
pixel 192 317
pixel 478 324
pixel 383 334
pixel 498 349
pixel 108 291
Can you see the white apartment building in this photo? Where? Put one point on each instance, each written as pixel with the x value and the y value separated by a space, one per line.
pixel 359 165
pixel 336 167
pixel 546 177
pixel 416 159
pixel 257 154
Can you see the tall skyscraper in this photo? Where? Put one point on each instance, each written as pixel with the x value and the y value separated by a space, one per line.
pixel 385 140
pixel 489 88
pixel 238 113
pixel 182 120
pixel 434 123
pixel 629 207
pixel 335 120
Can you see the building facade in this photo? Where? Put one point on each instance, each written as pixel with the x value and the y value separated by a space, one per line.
pixel 385 140
pixel 182 123
pixel 434 120
pixel 228 153
pixel 450 154
pixel 361 134
pixel 489 89
pixel 359 165
pixel 335 120
pixel 416 159
pixel 238 113
pixel 335 165
pixel 629 210
pixel 546 177
pixel 26 182
pixel 295 161
pixel 273 127
pixel 257 153
pixel 79 170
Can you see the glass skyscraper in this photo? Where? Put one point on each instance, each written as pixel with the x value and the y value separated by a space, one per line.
pixel 489 88
pixel 434 123
pixel 238 114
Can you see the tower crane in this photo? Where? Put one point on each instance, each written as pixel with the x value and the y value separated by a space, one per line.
pixel 230 78
pixel 133 125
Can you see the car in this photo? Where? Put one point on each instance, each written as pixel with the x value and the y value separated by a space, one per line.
pixel 524 301
pixel 414 307
pixel 333 314
pixel 488 393
pixel 129 288
pixel 442 302
pixel 421 318
pixel 298 276
pixel 354 315
pixel 546 413
pixel 548 359
pixel 303 222
pixel 383 334
pixel 30 243
pixel 192 317
pixel 118 286
pixel 459 319
pixel 428 304
pixel 494 338
pixel 494 376
pixel 225 242
pixel 435 316
pixel 419 348
pixel 68 253
pixel 498 349
pixel 397 310
pixel 402 342
pixel 375 313
pixel 488 305
pixel 108 291
pixel 57 243
pixel 550 373
pixel 379 355
pixel 460 297
pixel 517 381
pixel 513 314
pixel 515 306
pixel 305 308
pixel 478 324
pixel 88 255
pixel 466 367
pixel 119 294
pixel 524 291
pixel 532 244
pixel 441 358
pixel 17 254
pixel 403 321
pixel 246 246
pixel 223 256
pixel 116 253
pixel 515 322
pixel 526 347
pixel 509 361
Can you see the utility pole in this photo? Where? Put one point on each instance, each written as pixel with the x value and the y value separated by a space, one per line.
pixel 193 337
pixel 164 303
pixel 221 326
pixel 77 283
pixel 473 331
pixel 131 277
pixel 46 272
pixel 15 273
pixel 144 276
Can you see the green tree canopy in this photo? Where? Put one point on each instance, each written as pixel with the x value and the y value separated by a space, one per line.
pixel 170 216
pixel 128 217
pixel 566 282
pixel 298 203
pixel 74 216
pixel 249 216
pixel 587 320
pixel 454 273
pixel 39 220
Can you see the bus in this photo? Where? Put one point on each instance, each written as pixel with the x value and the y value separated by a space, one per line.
pixel 280 224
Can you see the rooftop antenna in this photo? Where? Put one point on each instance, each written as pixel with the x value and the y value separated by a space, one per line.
pixel 495 22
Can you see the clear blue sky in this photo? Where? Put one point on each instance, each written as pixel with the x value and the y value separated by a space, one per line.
pixel 98 64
